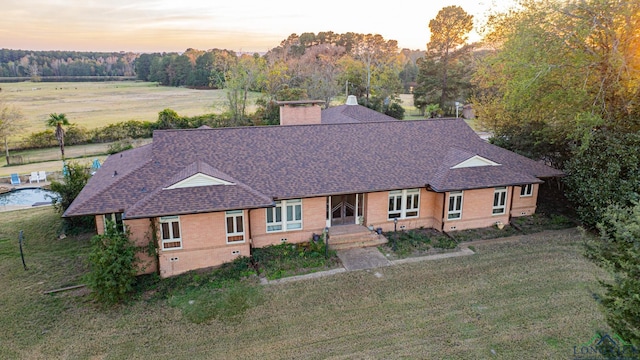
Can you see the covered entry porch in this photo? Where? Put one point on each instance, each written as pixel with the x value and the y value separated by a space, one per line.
pixel 345 209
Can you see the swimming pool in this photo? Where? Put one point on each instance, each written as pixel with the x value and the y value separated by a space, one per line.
pixel 28 196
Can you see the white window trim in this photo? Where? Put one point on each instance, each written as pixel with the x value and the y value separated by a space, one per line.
pixel 112 218
pixel 394 195
pixel 169 220
pixel 452 196
pixel 503 206
pixel 288 223
pixel 404 195
pixel 284 223
pixel 234 214
pixel 526 190
pixel 273 210
pixel 416 208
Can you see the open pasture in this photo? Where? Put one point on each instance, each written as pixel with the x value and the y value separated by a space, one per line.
pixel 96 104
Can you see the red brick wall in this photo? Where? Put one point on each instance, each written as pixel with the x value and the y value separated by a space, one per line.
pixel 377 210
pixel 300 114
pixel 477 210
pixel 524 205
pixel 313 221
pixel 204 244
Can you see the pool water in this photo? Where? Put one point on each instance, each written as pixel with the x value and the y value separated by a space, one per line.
pixel 29 196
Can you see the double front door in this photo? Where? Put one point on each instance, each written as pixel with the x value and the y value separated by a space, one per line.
pixel 345 209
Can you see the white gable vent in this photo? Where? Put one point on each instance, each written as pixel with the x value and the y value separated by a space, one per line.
pixel 199 179
pixel 475 162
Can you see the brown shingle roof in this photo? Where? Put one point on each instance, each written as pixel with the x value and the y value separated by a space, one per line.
pixel 345 114
pixel 280 162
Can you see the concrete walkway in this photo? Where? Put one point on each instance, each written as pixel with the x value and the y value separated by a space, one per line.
pixel 362 258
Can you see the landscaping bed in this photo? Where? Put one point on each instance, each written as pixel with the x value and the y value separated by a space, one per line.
pixel 278 261
pixel 540 222
pixel 492 232
pixel 416 242
pixel 422 241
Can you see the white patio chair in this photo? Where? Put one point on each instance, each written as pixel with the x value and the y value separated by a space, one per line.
pixel 42 175
pixel 34 177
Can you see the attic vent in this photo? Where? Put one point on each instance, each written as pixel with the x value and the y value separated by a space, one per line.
pixel 199 179
pixel 352 100
pixel 475 161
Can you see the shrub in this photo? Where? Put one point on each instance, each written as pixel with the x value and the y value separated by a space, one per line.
pixel 112 262
pixel 607 172
pixel 445 242
pixel 42 139
pixel 75 135
pixel 395 110
pixel 122 130
pixel 75 178
pixel 119 146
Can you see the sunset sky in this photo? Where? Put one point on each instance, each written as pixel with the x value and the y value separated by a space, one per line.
pixel 170 25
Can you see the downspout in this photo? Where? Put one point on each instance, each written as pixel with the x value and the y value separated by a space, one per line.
pixel 249 233
pixel 444 209
pixel 511 203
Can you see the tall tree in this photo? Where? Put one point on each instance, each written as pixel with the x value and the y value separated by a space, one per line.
pixel 443 68
pixel 57 121
pixel 556 64
pixel 321 71
pixel 143 66
pixel 353 74
pixel 376 53
pixel 10 117
pixel 244 76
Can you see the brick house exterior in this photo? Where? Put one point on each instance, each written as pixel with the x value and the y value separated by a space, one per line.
pixel 204 196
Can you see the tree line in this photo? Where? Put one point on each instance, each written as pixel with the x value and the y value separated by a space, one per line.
pixel 61 64
pixel 319 66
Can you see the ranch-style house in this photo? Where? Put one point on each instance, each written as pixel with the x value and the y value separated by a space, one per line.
pixel 209 195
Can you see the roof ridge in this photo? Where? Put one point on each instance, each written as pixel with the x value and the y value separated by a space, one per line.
pixel 365 123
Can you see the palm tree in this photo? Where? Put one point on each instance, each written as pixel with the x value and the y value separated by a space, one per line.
pixel 57 120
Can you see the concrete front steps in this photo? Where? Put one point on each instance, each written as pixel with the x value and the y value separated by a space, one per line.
pixel 342 237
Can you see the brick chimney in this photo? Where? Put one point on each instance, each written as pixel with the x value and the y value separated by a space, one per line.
pixel 301 112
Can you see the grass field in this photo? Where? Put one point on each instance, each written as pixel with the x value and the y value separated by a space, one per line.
pixel 95 104
pixel 528 299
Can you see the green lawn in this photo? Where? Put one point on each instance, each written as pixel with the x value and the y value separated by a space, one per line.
pixel 530 299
